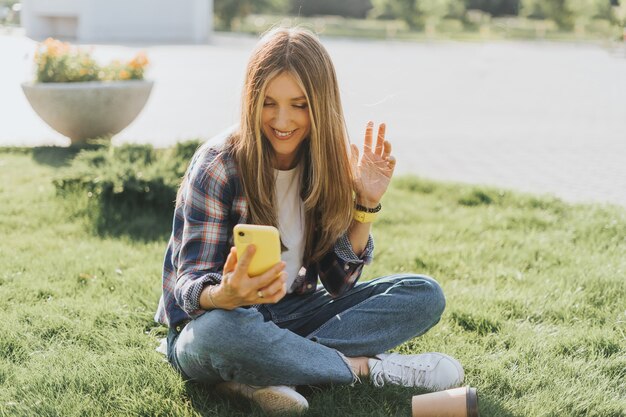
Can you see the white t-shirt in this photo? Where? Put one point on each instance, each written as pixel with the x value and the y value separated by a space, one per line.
pixel 291 220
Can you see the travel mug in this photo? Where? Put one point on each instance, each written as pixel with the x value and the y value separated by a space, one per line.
pixel 456 402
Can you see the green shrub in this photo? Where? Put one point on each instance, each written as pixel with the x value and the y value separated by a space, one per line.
pixel 121 188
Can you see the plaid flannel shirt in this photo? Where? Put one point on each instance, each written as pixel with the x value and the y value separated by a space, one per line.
pixel 213 202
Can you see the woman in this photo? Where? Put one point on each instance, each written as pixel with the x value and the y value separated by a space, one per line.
pixel 288 164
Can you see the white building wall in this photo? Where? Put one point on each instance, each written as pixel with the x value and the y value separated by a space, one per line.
pixel 119 20
pixel 56 18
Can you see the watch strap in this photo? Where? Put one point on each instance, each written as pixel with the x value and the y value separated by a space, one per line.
pixel 364 217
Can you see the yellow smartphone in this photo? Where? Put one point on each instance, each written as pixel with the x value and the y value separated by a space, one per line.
pixel 267 242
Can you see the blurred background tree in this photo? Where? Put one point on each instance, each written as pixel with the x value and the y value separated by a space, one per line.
pixel 566 13
pixel 431 12
pixel 345 8
pixel 418 13
pixel 618 14
pixel 395 9
pixel 227 10
pixel 582 12
pixel 9 12
pixel 495 8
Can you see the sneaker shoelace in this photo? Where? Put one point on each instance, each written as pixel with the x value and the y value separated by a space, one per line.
pixel 400 374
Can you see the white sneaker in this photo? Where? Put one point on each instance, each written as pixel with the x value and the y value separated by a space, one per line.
pixel 434 371
pixel 272 400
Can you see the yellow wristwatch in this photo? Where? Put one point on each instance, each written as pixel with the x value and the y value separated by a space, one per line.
pixel 364 217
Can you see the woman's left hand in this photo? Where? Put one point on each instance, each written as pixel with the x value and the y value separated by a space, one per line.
pixel 373 170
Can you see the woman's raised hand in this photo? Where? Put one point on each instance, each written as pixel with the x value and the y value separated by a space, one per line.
pixel 373 170
pixel 239 289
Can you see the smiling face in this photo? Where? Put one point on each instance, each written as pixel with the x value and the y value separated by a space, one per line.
pixel 285 119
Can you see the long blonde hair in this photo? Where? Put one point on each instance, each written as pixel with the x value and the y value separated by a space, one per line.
pixel 327 186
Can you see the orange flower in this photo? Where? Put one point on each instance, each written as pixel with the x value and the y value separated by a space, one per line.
pixel 124 75
pixel 55 47
pixel 139 61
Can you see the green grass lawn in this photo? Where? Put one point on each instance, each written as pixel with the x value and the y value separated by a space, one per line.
pixel 536 304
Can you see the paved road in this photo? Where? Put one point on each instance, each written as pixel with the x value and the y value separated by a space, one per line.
pixel 539 117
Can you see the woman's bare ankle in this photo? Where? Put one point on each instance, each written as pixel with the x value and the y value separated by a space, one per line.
pixel 359 366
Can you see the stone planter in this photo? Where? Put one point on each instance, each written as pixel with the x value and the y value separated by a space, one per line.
pixel 87 110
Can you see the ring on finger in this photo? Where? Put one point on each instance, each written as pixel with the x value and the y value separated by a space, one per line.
pixel 259 293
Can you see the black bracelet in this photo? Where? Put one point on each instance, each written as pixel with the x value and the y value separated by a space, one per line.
pixel 368 209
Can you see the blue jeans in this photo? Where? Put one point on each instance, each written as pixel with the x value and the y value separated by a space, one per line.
pixel 304 339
